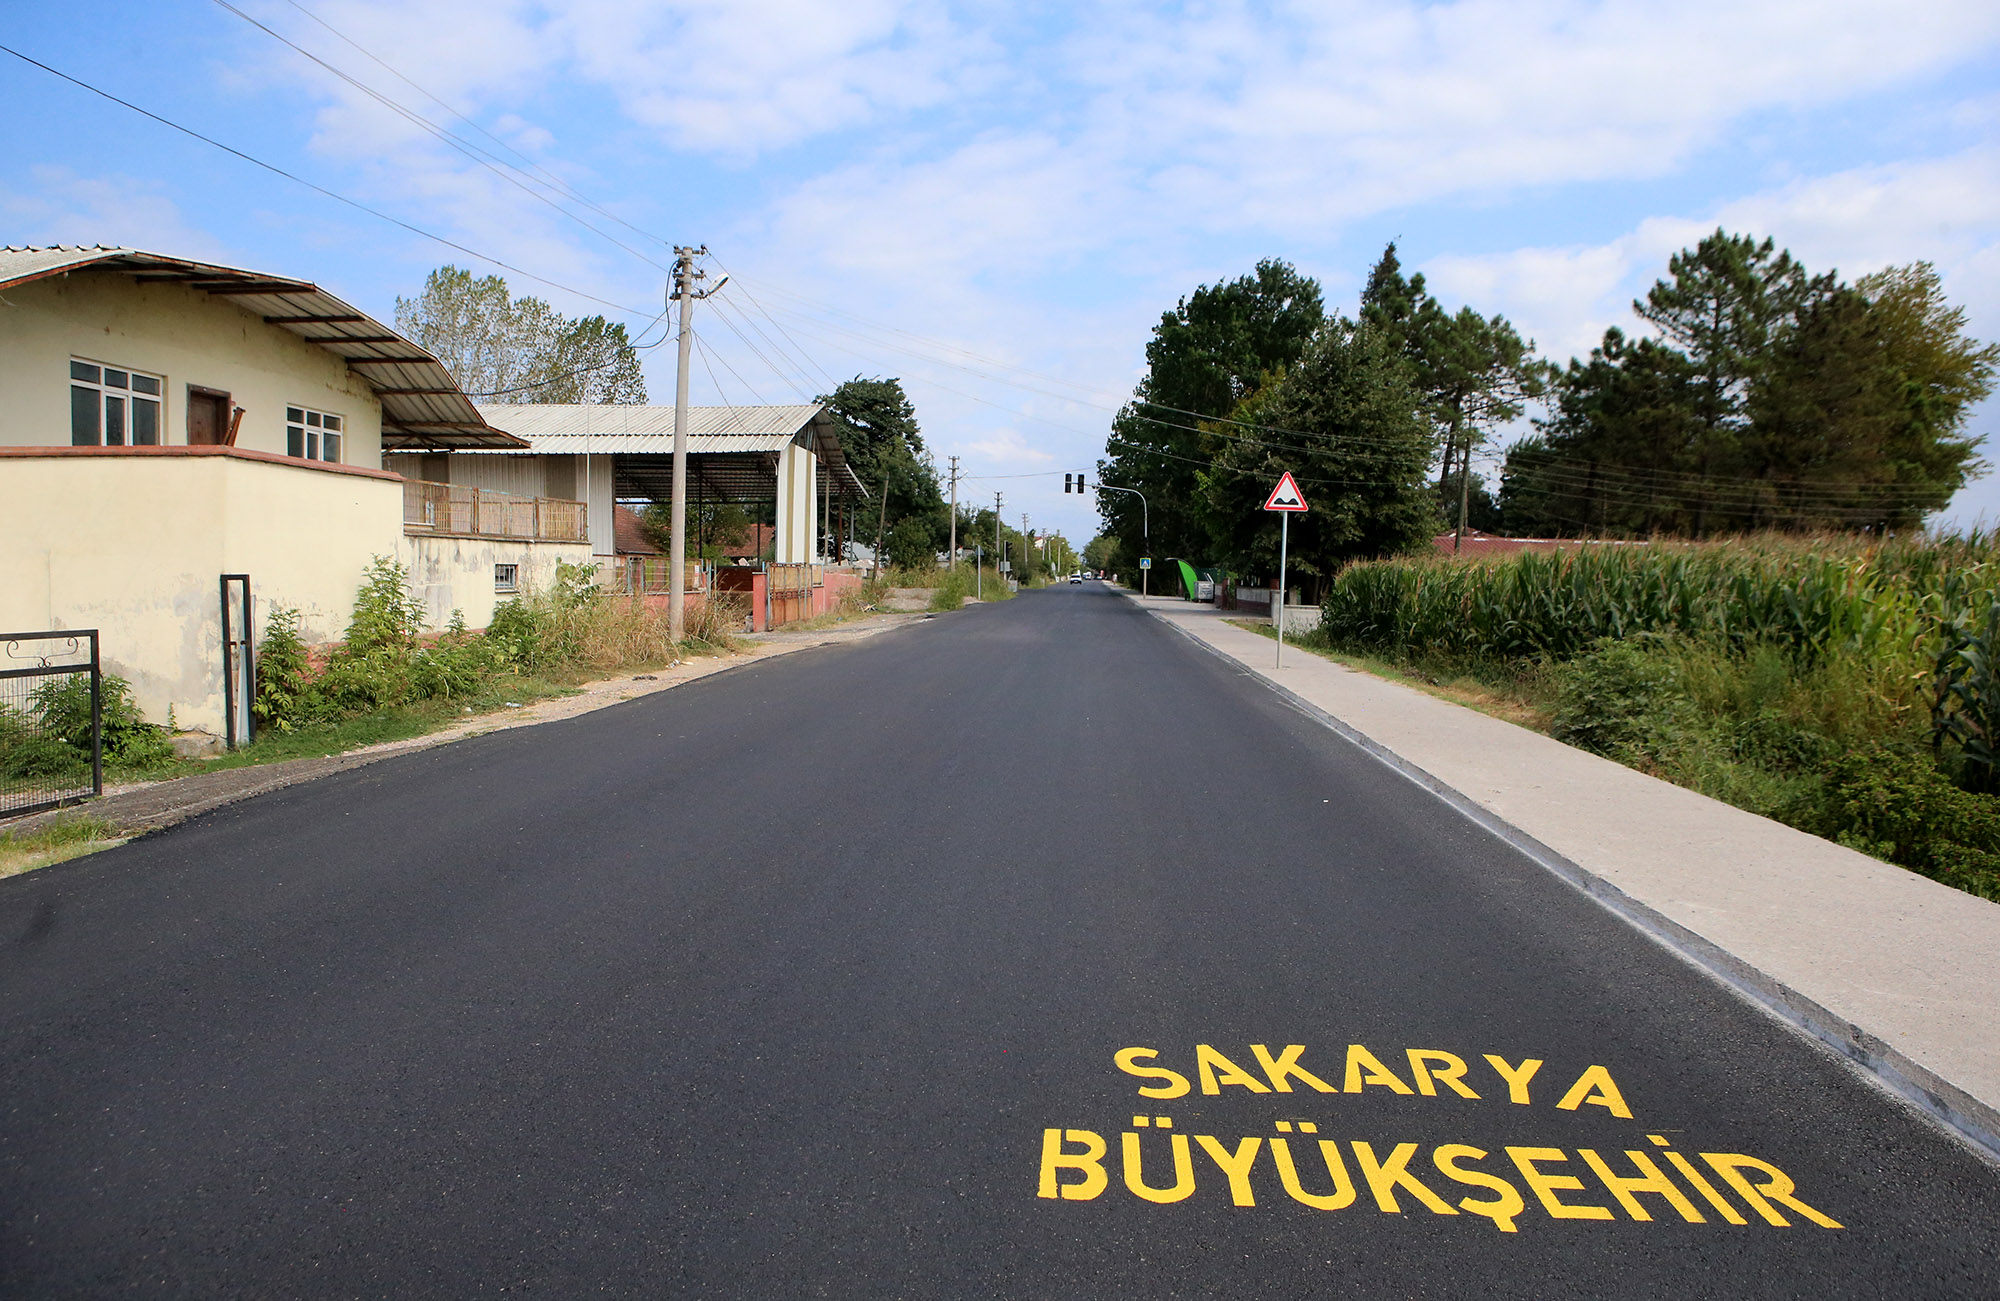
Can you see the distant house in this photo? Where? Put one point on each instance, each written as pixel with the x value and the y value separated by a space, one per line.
pixel 179 439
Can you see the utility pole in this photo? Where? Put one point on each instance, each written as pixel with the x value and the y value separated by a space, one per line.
pixel 952 563
pixel 999 552
pixel 684 293
pixel 882 523
pixel 1464 492
pixel 1026 539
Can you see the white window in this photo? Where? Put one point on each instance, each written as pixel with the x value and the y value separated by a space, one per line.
pixel 113 406
pixel 315 435
pixel 506 578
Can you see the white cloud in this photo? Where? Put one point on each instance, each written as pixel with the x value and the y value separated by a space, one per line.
pixel 1007 448
pixel 742 76
pixel 1945 211
pixel 61 206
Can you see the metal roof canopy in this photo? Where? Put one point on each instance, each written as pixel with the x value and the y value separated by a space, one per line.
pixel 732 451
pixel 423 409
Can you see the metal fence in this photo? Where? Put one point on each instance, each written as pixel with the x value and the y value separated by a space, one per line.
pixel 651 575
pixel 455 508
pixel 791 579
pixel 51 720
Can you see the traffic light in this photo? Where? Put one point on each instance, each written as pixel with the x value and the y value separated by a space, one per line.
pixel 1076 479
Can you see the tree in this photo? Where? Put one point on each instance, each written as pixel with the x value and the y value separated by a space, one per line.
pixel 1728 302
pixel 1473 372
pixel 1615 455
pixel 1206 355
pixel 1102 553
pixel 882 442
pixel 504 349
pixel 1356 438
pixel 1774 398
pixel 712 526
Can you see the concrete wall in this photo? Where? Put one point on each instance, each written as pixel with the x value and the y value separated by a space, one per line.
pixel 134 542
pixel 798 505
pixel 181 333
pixel 454 573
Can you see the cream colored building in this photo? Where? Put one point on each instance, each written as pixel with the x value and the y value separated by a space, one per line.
pixel 166 423
pixel 787 456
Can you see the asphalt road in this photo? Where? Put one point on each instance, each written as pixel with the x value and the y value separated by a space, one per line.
pixel 816 978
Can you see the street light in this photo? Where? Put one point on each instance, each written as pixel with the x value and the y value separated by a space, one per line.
pixel 1145 527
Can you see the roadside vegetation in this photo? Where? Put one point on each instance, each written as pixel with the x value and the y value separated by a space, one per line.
pixel 950 588
pixel 540 641
pixel 384 681
pixel 58 841
pixel 1846 687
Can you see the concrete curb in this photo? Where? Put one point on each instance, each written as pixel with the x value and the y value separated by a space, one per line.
pixel 1965 1117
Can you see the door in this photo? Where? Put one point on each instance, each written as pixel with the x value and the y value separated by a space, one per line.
pixel 239 665
pixel 208 417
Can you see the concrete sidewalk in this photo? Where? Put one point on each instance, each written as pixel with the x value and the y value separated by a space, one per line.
pixel 1899 973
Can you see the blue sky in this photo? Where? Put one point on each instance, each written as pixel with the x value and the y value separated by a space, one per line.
pixel 996 201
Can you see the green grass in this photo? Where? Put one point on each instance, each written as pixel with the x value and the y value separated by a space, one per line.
pixel 1524 697
pixel 321 740
pixel 67 837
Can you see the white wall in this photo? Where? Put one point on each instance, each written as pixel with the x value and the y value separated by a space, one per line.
pixel 798 505
pixel 454 573
pixel 181 333
pixel 135 546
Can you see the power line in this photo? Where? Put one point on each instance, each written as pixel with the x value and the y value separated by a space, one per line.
pixel 356 204
pixel 464 147
pixel 554 182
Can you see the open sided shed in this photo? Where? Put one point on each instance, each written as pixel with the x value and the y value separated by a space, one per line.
pixel 789 456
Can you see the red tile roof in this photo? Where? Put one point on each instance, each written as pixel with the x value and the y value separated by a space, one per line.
pixel 629 530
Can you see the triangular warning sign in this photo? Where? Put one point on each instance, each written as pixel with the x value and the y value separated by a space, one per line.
pixel 1286 496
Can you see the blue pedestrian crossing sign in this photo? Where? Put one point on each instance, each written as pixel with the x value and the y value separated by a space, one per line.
pixel 1145 562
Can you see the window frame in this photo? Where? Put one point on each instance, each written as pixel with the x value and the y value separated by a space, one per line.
pixel 130 396
pixel 506 578
pixel 312 428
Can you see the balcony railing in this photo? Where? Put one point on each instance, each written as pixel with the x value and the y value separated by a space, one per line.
pixel 453 509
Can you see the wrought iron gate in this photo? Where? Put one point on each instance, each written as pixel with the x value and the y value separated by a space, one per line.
pixel 51 720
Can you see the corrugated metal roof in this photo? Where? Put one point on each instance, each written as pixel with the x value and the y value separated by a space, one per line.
pixel 536 421
pixel 618 444
pixel 422 406
pixel 634 431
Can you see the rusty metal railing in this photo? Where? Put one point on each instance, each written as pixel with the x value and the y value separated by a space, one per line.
pixel 651 575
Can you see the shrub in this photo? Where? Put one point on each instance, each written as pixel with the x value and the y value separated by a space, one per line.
pixel 387 613
pixel 952 591
pixel 1619 698
pixel 1902 807
pixel 285 696
pixel 62 707
pixel 26 750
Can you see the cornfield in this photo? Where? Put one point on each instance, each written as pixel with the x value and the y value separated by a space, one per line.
pixel 1814 598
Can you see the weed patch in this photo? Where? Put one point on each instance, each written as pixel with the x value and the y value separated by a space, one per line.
pixel 55 842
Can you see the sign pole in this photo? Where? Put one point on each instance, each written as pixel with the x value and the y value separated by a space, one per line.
pixel 1286 499
pixel 1284 545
